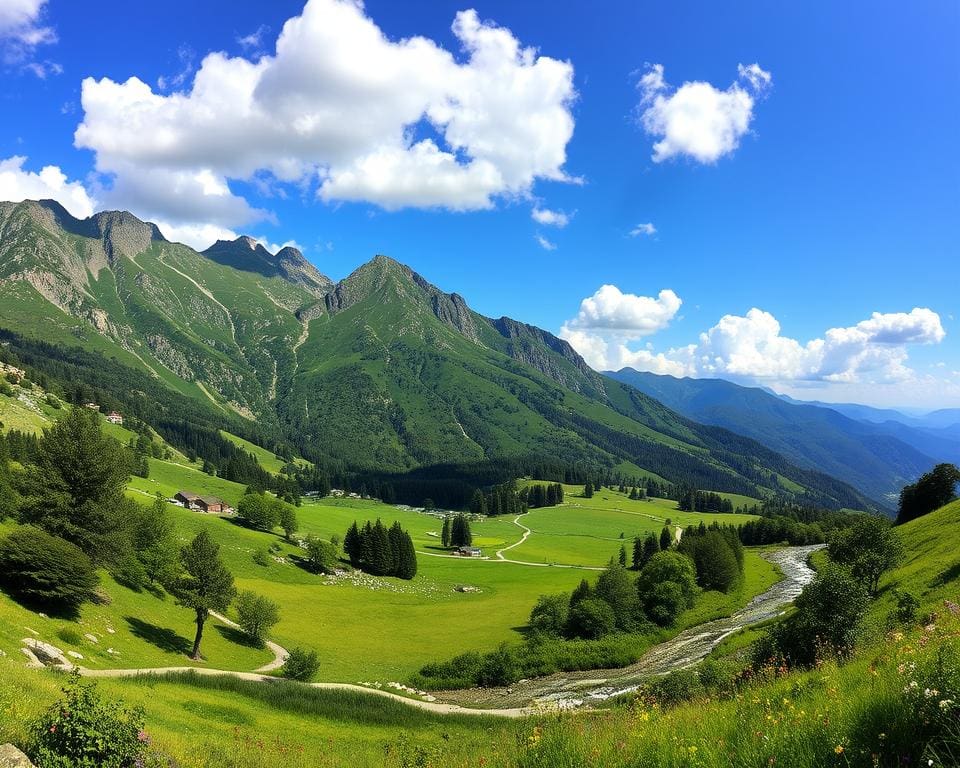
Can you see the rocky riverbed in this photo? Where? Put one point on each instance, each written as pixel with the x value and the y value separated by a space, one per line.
pixel 575 689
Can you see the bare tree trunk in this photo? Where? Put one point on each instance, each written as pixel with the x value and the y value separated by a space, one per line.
pixel 201 618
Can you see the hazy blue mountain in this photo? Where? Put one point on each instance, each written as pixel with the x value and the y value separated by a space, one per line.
pixel 871 457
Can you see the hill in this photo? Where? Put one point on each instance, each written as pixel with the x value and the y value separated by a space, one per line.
pixel 866 455
pixel 382 371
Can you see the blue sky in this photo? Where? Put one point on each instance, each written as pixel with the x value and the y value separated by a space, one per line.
pixel 748 223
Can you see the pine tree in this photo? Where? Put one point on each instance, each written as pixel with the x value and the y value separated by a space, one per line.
pixel 478 504
pixel 666 538
pixel 206 584
pixel 351 544
pixel 651 545
pixel 395 536
pixel 623 556
pixel 381 560
pixel 588 490
pixel 407 567
pixel 445 532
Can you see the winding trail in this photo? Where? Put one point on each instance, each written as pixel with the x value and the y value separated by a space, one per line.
pixel 526 532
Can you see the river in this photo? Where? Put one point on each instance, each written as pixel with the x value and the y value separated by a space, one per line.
pixel 574 689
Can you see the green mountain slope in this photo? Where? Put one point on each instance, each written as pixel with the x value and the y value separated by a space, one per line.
pixel 862 454
pixel 382 371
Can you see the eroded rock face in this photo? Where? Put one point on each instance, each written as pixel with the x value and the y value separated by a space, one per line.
pixel 11 757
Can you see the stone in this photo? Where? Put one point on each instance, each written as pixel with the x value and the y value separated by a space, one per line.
pixel 46 653
pixel 91 638
pixel 75 655
pixel 11 757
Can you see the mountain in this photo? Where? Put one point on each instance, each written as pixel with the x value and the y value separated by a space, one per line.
pixel 381 371
pixel 866 455
pixel 936 434
pixel 248 255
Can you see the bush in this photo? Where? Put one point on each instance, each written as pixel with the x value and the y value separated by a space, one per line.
pixel 829 612
pixel 70 635
pixel 82 730
pixel 591 618
pixel 908 606
pixel 550 614
pixel 260 557
pixel 322 556
pixel 301 665
pixel 46 569
pixel 666 586
pixel 256 614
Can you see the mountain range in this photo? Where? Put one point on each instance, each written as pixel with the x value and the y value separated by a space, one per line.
pixel 876 456
pixel 381 370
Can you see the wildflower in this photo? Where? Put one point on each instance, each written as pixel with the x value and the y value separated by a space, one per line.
pixel 945 705
pixel 838 749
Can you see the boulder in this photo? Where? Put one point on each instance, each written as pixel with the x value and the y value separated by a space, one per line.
pixel 11 757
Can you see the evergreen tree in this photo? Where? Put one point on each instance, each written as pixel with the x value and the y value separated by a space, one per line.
pixel 407 566
pixel 206 584
pixel 933 490
pixel 666 538
pixel 351 544
pixel 445 531
pixel 478 504
pixel 381 561
pixel 460 535
pixel 651 545
pixel 623 556
pixel 588 490
pixel 155 543
pixel 75 489
pixel 637 560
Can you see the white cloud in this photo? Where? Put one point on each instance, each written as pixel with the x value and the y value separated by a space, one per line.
pixel 750 347
pixel 253 41
pixel 396 123
pixel 197 236
pixel 610 309
pixel 544 243
pixel 21 31
pixel 550 218
pixel 185 57
pixel 17 184
pixel 698 120
pixel 648 230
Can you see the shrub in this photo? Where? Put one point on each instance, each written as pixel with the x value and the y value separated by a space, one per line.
pixel 322 556
pixel 260 557
pixel 550 614
pixel 908 606
pixel 70 635
pixel 301 665
pixel 681 685
pixel 46 569
pixel 591 618
pixel 829 612
pixel 256 614
pixel 82 730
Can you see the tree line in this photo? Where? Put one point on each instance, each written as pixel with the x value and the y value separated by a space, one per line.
pixel 381 551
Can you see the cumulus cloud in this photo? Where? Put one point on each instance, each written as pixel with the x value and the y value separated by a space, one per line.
pixel 254 40
pixel 17 184
pixel 749 347
pixel 339 106
pixel 698 120
pixel 550 218
pixel 647 230
pixel 610 309
pixel 197 236
pixel 22 31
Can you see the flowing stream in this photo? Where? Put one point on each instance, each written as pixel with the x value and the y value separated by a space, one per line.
pixel 575 689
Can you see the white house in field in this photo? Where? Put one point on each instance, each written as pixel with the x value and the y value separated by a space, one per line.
pixel 115 418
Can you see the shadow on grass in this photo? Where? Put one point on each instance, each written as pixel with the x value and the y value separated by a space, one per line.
pixel 947 576
pixel 161 637
pixel 68 612
pixel 233 635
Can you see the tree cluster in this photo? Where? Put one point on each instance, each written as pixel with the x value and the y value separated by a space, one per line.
pixel 540 495
pixel 265 512
pixel 717 554
pixel 456 531
pixel 933 490
pixel 703 501
pixel 620 602
pixel 381 551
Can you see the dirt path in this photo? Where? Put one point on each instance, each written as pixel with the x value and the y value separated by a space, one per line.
pixel 526 533
pixel 280 654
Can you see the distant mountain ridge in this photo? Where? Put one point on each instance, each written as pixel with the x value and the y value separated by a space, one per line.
pixel 872 457
pixel 380 370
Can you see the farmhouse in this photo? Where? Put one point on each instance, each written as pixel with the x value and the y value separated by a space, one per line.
pixel 115 418
pixel 469 551
pixel 212 504
pixel 186 499
pixel 92 406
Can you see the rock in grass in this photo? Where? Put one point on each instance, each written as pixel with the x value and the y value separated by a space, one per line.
pixel 11 757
